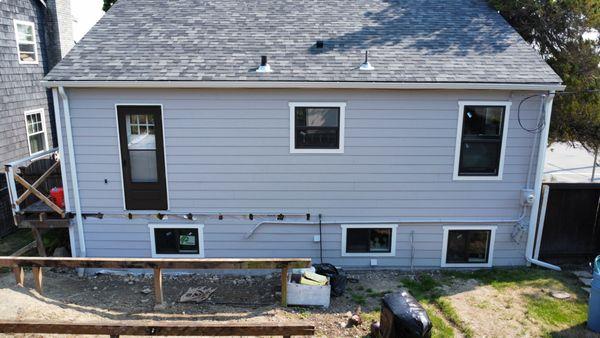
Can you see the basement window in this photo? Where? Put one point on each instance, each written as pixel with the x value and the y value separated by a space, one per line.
pixel 26 44
pixel 36 130
pixel 170 240
pixel 369 240
pixel 468 246
pixel 481 140
pixel 317 127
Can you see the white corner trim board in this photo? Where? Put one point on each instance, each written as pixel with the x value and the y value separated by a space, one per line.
pixel 490 258
pixel 392 252
pixel 459 130
pixel 342 127
pixel 200 228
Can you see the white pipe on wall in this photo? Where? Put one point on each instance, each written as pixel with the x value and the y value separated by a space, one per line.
pixel 537 188
pixel 73 169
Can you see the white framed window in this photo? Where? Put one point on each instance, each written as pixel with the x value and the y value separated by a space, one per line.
pixel 26 42
pixel 35 124
pixel 317 127
pixel 481 140
pixel 369 240
pixel 177 240
pixel 468 246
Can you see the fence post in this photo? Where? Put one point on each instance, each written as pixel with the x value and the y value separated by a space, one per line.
pixel 158 289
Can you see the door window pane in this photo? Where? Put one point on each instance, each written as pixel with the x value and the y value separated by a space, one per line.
pixel 317 128
pixel 468 246
pixel 481 140
pixel 141 142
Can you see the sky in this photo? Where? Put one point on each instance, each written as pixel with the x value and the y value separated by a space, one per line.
pixel 85 14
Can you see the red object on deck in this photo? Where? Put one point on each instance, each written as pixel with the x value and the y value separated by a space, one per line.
pixel 58 196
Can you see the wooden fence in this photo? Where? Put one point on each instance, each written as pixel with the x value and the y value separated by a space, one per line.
pixel 572 223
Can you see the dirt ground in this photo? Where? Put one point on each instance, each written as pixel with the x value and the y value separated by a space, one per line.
pixel 68 297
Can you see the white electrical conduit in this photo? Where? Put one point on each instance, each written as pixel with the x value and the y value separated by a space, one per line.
pixel 543 144
pixel 404 221
pixel 73 170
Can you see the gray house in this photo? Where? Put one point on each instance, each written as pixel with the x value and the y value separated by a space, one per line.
pixel 34 36
pixel 264 129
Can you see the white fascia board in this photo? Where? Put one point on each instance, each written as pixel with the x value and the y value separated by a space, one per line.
pixel 293 84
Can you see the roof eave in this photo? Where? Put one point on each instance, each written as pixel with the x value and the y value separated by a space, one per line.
pixel 307 84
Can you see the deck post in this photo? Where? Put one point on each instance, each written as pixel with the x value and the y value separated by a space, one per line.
pixel 19 275
pixel 37 277
pixel 158 289
pixel 284 273
pixel 39 241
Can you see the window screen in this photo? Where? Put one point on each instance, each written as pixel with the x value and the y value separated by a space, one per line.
pixel 369 240
pixel 481 141
pixel 468 246
pixel 317 128
pixel 176 241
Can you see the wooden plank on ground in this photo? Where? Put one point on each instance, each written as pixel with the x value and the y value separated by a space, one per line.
pixel 19 275
pixel 162 328
pixel 152 263
pixel 25 249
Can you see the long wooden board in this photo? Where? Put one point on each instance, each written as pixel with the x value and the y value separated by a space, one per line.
pixel 156 263
pixel 162 328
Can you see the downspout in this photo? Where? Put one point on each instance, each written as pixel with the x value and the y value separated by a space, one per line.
pixel 543 144
pixel 73 169
pixel 63 168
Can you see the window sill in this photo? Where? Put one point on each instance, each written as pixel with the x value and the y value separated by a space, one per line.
pixel 466 265
pixel 369 254
pixel 476 178
pixel 316 151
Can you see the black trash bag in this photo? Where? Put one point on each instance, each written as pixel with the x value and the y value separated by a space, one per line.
pixel 403 316
pixel 337 278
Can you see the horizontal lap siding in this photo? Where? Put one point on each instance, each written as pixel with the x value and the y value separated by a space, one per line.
pixel 228 151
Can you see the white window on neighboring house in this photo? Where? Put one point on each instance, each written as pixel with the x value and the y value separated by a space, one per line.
pixel 468 246
pixel 36 131
pixel 372 240
pixel 177 240
pixel 26 42
pixel 317 127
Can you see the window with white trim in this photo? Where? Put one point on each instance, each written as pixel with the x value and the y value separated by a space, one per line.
pixel 468 246
pixel 317 127
pixel 36 130
pixel 481 140
pixel 26 42
pixel 369 240
pixel 173 240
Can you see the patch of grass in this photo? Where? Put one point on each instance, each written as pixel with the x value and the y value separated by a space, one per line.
pixel 509 278
pixel 358 299
pixel 425 289
pixel 560 313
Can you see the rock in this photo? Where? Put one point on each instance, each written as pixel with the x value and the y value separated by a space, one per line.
pixel 61 251
pixel 355 319
pixel 343 325
pixel 560 295
pixel 375 329
pixel 145 300
pixel 586 281
pixel 197 295
pixel 130 282
pixel 348 314
pixel 582 274
pixel 95 288
pixel 269 276
pixel 146 291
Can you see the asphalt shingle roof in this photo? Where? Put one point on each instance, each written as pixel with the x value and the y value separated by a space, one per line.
pixel 222 40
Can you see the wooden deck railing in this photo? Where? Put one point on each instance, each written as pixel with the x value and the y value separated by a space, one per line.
pixel 156 264
pixel 162 328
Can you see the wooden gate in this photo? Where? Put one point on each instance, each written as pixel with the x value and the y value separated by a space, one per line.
pixel 572 224
pixel 7 223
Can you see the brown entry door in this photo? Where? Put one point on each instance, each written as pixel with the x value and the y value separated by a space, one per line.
pixel 142 157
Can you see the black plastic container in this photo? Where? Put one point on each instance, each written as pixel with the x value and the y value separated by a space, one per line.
pixel 403 316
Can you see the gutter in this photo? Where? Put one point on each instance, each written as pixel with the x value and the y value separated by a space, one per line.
pixel 73 169
pixel 537 188
pixel 306 84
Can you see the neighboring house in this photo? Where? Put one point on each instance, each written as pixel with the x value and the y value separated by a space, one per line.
pixel 184 145
pixel 34 36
